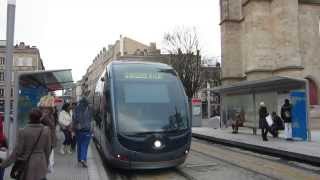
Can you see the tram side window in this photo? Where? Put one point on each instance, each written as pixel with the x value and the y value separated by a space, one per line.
pixel 97 114
pixel 108 114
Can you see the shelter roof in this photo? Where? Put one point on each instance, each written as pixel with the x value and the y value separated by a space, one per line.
pixel 276 83
pixel 51 80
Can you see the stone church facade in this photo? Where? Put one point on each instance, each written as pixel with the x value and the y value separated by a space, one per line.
pixel 265 38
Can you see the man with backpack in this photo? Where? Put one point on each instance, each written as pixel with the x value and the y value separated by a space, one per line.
pixel 81 122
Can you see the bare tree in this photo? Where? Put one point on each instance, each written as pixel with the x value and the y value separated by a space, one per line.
pixel 183 47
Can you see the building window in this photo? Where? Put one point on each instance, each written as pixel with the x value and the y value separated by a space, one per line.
pixel 1 105
pixel 1 76
pixel 1 92
pixel 23 61
pixel 2 60
pixel 11 92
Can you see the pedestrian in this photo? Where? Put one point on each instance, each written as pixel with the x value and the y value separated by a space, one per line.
pixel 65 121
pixel 55 116
pixel 277 125
pixel 286 115
pixel 32 149
pixel 237 121
pixel 3 146
pixel 81 121
pixel 73 137
pixel 263 113
pixel 47 105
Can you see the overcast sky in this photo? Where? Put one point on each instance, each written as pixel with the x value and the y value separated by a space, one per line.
pixel 70 33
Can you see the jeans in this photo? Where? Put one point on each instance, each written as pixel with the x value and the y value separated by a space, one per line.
pixel 288 130
pixel 83 141
pixel 1 173
pixel 67 137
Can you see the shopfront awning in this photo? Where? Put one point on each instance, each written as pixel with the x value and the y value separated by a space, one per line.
pixel 277 83
pixel 50 80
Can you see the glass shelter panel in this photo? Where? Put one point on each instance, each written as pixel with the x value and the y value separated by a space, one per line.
pixel 270 99
pixel 237 103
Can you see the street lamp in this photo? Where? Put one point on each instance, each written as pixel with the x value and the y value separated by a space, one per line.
pixel 8 67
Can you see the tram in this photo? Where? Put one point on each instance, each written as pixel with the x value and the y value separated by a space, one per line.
pixel 142 119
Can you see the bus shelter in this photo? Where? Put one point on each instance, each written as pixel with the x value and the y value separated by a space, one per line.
pixel 245 97
pixel 29 88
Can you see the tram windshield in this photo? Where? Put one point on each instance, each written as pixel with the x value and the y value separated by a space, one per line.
pixel 149 99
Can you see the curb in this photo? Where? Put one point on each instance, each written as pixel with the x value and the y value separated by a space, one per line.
pixel 304 158
pixel 96 169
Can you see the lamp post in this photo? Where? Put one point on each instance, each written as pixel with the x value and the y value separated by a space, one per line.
pixel 8 66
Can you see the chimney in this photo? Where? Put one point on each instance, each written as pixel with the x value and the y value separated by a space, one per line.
pixel 121 45
pixel 21 45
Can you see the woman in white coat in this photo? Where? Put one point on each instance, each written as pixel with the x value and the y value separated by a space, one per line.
pixel 65 121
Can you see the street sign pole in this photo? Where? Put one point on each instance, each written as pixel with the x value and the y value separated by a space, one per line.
pixel 8 66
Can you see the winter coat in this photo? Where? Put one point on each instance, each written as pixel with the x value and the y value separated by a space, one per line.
pixel 286 113
pixel 64 119
pixel 39 160
pixel 278 123
pixel 82 117
pixel 49 121
pixel 263 113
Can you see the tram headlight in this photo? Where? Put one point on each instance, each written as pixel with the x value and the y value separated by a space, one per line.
pixel 122 157
pixel 157 143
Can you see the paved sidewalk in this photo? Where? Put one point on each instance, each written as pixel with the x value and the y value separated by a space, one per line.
pixel 298 150
pixel 67 168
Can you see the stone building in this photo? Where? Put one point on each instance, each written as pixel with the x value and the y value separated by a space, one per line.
pixel 265 38
pixel 123 49
pixel 25 58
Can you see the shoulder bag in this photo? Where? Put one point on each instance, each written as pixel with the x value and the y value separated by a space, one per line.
pixel 21 165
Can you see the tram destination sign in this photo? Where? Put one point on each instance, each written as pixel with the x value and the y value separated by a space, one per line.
pixel 144 75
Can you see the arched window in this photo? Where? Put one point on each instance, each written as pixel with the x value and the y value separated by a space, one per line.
pixel 313 92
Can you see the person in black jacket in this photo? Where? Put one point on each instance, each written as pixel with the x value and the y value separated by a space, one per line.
pixel 263 113
pixel 277 124
pixel 286 115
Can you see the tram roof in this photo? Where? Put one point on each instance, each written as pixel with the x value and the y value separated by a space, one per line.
pixel 52 80
pixel 128 61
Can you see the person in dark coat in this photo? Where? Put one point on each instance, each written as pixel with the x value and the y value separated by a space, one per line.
pixel 286 115
pixel 81 122
pixel 263 113
pixel 237 121
pixel 73 138
pixel 27 137
pixel 277 124
pixel 48 120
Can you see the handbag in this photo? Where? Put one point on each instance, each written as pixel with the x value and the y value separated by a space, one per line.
pixel 3 154
pixel 269 120
pixel 20 165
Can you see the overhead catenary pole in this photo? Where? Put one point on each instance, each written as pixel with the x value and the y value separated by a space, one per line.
pixel 8 65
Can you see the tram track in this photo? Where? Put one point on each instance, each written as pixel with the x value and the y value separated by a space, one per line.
pixel 273 168
pixel 207 160
pixel 303 166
